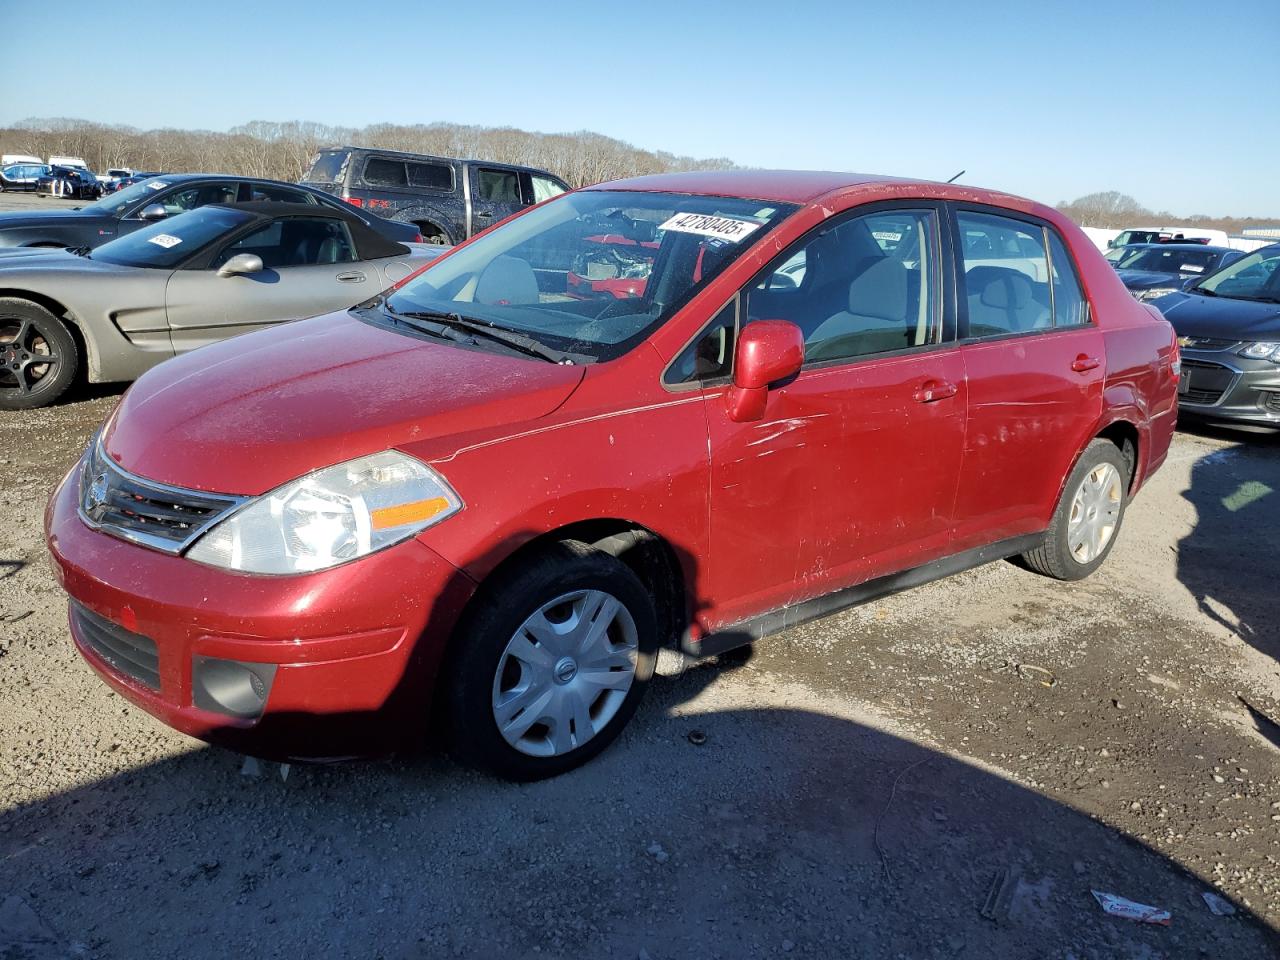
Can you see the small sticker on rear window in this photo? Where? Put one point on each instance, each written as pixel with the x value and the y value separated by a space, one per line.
pixel 156 184
pixel 705 225
pixel 1191 268
pixel 165 240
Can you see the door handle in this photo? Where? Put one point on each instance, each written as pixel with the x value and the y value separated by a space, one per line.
pixel 354 277
pixel 483 213
pixel 1083 364
pixel 933 390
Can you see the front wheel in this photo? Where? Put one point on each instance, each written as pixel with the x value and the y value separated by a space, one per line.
pixel 1088 517
pixel 551 664
pixel 38 355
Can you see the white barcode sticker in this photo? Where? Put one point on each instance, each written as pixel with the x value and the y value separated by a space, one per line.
pixel 165 240
pixel 706 225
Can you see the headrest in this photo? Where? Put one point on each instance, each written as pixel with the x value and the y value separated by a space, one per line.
pixel 880 291
pixel 999 287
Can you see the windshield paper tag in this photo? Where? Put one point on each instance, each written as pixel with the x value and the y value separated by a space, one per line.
pixel 165 240
pixel 157 185
pixel 1191 268
pixel 726 228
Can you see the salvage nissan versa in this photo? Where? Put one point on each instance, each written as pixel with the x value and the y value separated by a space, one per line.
pixel 478 504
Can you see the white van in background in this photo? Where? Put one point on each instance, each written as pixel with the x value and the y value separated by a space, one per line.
pixel 9 158
pixel 68 162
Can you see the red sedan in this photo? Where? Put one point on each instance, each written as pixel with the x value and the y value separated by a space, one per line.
pixel 477 505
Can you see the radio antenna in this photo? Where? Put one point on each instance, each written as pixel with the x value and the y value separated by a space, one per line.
pixel 956 177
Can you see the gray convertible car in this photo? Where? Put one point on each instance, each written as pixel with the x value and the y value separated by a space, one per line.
pixel 178 284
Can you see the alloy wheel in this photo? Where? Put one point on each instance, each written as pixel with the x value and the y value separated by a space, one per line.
pixel 27 357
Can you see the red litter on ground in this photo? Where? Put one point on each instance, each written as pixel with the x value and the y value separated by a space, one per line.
pixel 1139 912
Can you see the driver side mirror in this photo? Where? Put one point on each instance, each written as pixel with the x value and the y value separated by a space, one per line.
pixel 768 351
pixel 153 211
pixel 241 263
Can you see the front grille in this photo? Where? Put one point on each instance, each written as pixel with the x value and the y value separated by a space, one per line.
pixel 143 511
pixel 1206 382
pixel 129 653
pixel 1205 343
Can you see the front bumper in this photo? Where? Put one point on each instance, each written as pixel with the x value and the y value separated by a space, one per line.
pixel 1222 385
pixel 355 648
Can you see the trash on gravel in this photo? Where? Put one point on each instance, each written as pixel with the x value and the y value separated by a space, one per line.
pixel 251 767
pixel 1129 910
pixel 1036 674
pixel 697 737
pixel 284 771
pixel 999 895
pixel 1217 905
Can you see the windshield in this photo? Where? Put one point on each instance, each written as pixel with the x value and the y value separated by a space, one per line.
pixel 1170 260
pixel 592 273
pixel 1254 277
pixel 169 242
pixel 117 203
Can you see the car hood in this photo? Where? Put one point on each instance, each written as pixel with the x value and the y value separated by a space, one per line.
pixel 53 260
pixel 44 216
pixel 1223 318
pixel 250 413
pixel 1147 279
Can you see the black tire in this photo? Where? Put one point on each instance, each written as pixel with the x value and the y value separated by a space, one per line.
pixel 1054 557
pixel 29 332
pixel 468 681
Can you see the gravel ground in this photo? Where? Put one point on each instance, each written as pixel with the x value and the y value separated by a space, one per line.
pixel 867 783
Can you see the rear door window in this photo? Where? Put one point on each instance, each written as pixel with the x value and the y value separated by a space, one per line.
pixel 263 191
pixel 295 242
pixel 1005 275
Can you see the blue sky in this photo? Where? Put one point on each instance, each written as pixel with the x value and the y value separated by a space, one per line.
pixel 1171 102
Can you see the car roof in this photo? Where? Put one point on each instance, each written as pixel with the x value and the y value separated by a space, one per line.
pixel 803 186
pixel 1176 246
pixel 409 155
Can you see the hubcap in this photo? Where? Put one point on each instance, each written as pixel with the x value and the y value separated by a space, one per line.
pixel 26 357
pixel 565 673
pixel 1095 510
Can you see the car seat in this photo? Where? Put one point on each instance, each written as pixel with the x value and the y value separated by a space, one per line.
pixel 1003 300
pixel 507 280
pixel 877 317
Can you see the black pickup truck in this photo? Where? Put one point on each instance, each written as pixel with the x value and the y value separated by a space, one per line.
pixel 448 200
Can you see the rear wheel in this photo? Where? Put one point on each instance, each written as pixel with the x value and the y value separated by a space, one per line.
pixel 1087 521
pixel 551 665
pixel 38 356
pixel 431 233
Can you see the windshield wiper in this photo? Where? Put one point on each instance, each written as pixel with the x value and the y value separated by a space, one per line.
pixel 513 339
pixel 1203 292
pixel 79 251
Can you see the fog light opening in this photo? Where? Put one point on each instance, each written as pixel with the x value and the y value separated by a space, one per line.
pixel 231 687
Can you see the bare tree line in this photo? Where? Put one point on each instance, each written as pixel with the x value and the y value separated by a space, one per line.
pixel 283 151
pixel 1118 210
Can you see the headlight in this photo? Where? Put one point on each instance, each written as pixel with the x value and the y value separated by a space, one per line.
pixel 1155 293
pixel 330 516
pixel 1262 351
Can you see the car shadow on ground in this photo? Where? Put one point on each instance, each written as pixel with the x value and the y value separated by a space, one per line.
pixel 1229 559
pixel 732 819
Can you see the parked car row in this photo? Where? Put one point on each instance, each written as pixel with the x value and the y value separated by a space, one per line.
pixel 655 411
pixel 1225 306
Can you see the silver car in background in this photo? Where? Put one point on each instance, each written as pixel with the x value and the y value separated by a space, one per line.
pixel 172 286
